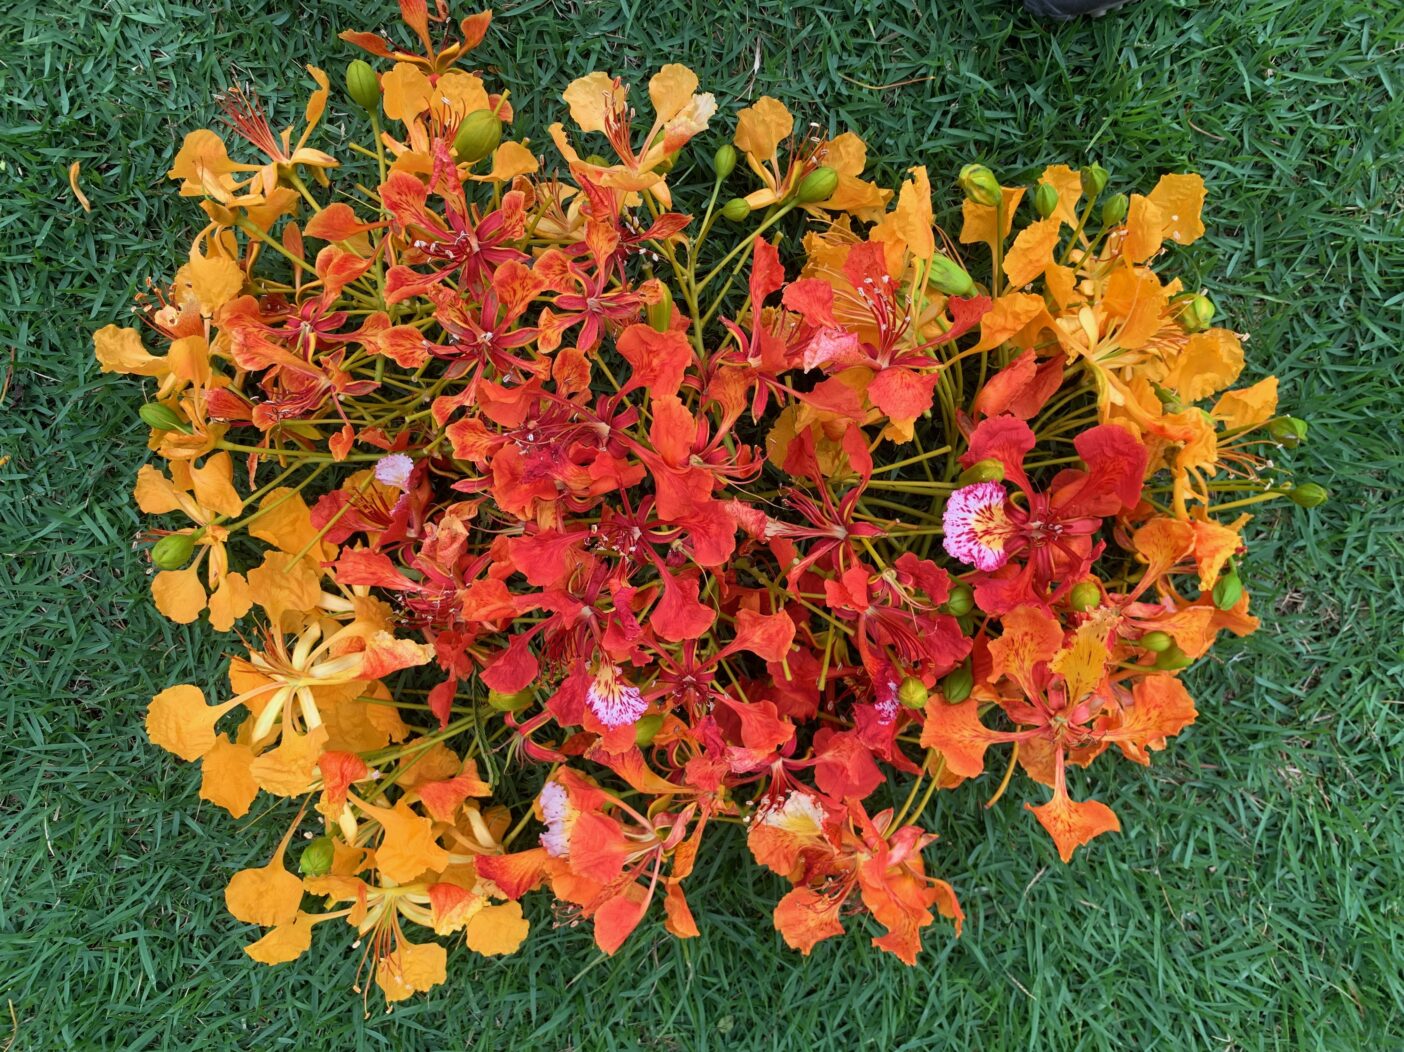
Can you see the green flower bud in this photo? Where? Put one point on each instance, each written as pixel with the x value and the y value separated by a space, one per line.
pixel 818 185
pixel 956 687
pixel 478 135
pixel 982 471
pixel 1172 658
pixel 736 210
pixel 1308 495
pixel 1114 209
pixel 949 277
pixel 162 418
pixel 912 693
pixel 724 161
pixel 510 702
pixel 316 858
pixel 363 85
pixel 1288 430
pixel 961 600
pixel 980 185
pixel 598 160
pixel 660 314
pixel 1157 642
pixel 646 728
pixel 1094 180
pixel 1085 596
pixel 1197 314
pixel 1168 398
pixel 1228 591
pixel 1045 199
pixel 172 552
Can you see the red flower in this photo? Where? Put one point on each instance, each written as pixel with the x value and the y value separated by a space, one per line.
pixel 1048 536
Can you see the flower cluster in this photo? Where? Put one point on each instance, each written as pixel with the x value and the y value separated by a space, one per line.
pixel 562 525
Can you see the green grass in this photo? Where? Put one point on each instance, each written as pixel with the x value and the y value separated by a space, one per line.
pixel 1255 900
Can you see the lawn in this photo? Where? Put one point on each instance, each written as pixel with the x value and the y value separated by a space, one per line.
pixel 1254 901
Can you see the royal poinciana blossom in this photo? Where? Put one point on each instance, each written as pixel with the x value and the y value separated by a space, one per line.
pixel 568 517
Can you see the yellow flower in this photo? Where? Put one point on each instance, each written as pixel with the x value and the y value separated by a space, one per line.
pixel 205 495
pixel 599 103
pixel 205 169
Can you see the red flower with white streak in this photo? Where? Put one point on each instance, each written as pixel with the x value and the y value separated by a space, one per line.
pixel 1048 533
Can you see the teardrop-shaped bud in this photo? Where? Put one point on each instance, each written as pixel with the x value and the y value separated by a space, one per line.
pixel 736 210
pixel 316 858
pixel 162 418
pixel 646 728
pixel 1114 209
pixel 1288 431
pixel 949 277
pixel 510 702
pixel 1228 591
pixel 980 184
pixel 1197 314
pixel 990 470
pixel 818 185
pixel 957 685
pixel 912 693
pixel 1094 180
pixel 660 314
pixel 363 85
pixel 1045 199
pixel 724 161
pixel 172 552
pixel 1309 495
pixel 1172 659
pixel 960 601
pixel 1157 642
pixel 1085 596
pixel 478 135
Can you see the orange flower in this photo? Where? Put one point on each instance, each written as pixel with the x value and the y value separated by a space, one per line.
pixel 434 60
pixel 887 871
pixel 206 496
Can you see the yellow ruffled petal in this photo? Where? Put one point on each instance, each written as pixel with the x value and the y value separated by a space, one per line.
pixel 265 895
pixel 155 494
pixel 671 90
pixel 284 943
pixel 1032 251
pixel 914 220
pixel 498 929
pixel 1249 406
pixel 179 721
pixel 1180 199
pixel 1143 230
pixel 761 128
pixel 1210 362
pixel 229 602
pixel 214 487
pixel 592 96
pixel 120 350
pixel 213 280
pixel 179 594
pixel 406 91
pixel 225 780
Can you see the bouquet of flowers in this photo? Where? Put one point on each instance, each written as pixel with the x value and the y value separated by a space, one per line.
pixel 562 524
